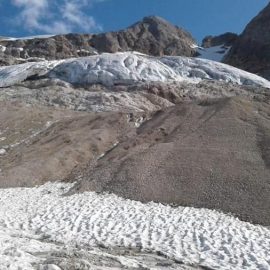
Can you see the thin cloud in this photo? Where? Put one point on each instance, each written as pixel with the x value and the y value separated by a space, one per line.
pixel 41 15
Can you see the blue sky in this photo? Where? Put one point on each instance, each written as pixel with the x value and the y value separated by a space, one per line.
pixel 200 17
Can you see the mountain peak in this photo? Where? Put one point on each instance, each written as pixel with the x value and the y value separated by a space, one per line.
pixel 155 19
pixel 152 35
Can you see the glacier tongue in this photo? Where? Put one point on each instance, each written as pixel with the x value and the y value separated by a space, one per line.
pixel 127 68
pixel 12 75
pixel 196 69
pixel 110 69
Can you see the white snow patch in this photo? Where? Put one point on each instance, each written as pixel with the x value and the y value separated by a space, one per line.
pixel 2 48
pixel 2 152
pixel 215 53
pixel 130 67
pixel 193 236
pixel 194 46
pixel 83 51
pixel 25 38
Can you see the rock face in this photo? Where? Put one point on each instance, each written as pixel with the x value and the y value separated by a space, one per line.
pixel 56 47
pixel 227 39
pixel 152 35
pixel 252 49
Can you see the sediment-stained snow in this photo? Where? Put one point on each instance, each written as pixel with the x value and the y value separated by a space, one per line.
pixel 193 236
pixel 22 251
pixel 127 68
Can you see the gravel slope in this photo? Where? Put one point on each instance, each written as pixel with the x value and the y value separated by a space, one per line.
pixel 212 154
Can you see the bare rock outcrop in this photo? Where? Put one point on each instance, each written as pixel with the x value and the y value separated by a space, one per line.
pixel 227 39
pixel 153 36
pixel 251 51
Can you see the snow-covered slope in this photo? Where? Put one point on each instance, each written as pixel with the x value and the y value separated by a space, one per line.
pixel 127 68
pixel 215 53
pixel 193 236
pixel 25 38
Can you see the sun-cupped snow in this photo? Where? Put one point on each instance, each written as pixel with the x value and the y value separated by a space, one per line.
pixel 193 236
pixel 129 67
pixel 215 53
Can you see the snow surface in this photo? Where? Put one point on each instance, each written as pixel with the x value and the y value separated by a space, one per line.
pixel 110 69
pixel 193 236
pixel 2 48
pixel 25 38
pixel 215 53
pixel 130 67
pixel 195 70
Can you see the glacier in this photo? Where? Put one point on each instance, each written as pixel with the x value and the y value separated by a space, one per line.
pixel 127 68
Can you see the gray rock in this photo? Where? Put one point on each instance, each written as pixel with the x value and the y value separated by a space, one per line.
pixel 204 145
pixel 227 39
pixel 152 35
pixel 252 49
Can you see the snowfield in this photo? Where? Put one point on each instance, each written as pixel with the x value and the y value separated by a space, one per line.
pixel 25 38
pixel 215 53
pixel 127 68
pixel 193 236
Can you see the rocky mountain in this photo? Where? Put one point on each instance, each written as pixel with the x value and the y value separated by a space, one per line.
pixel 216 47
pixel 105 156
pixel 152 36
pixel 251 51
pixel 227 39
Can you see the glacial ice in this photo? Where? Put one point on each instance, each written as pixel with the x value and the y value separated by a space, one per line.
pixel 128 68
